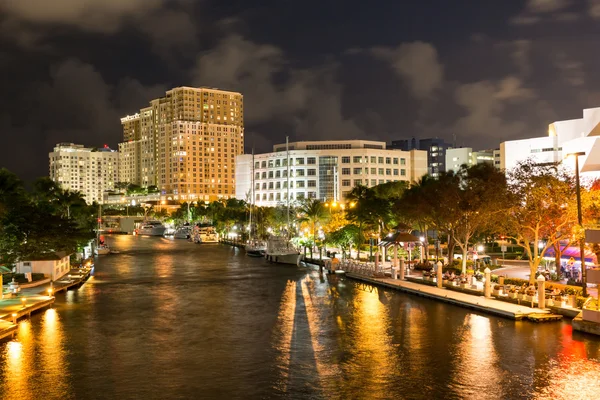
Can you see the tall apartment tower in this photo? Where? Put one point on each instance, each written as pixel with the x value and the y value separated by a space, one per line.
pixel 90 171
pixel 185 143
pixel 435 148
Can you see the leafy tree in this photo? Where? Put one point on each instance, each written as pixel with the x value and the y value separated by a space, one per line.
pixel 63 199
pixel 12 191
pixel 367 210
pixel 41 222
pixel 418 205
pixel 478 204
pixel 543 209
pixel 313 212
pixel 345 238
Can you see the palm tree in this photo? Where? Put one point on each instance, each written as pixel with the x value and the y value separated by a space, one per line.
pixel 66 199
pixel 313 211
pixel 11 188
pixel 369 210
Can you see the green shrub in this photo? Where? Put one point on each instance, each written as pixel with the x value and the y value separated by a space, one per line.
pixel 421 267
pixel 450 269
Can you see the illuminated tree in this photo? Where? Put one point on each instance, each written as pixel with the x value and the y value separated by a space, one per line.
pixel 313 212
pixel 543 210
pixel 367 211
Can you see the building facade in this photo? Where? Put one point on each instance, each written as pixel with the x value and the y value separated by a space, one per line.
pixel 185 143
pixel 325 170
pixel 53 266
pixel 90 171
pixel 465 155
pixel 435 148
pixel 564 138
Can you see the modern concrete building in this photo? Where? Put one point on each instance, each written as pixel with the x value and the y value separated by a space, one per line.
pixel 435 148
pixel 465 155
pixel 90 171
pixel 564 138
pixel 325 170
pixel 185 143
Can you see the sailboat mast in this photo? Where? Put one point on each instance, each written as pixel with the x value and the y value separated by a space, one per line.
pixel 287 153
pixel 99 221
pixel 252 192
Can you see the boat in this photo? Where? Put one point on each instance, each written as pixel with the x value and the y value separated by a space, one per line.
pixel 101 247
pixel 184 232
pixel 254 247
pixel 152 228
pixel 279 249
pixel 208 234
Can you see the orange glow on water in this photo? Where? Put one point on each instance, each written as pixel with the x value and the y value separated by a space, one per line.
pixel 283 334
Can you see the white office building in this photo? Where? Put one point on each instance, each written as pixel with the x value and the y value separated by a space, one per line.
pixel 465 155
pixel 325 170
pixel 564 137
pixel 90 171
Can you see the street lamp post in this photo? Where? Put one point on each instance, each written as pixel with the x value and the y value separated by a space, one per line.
pixel 580 222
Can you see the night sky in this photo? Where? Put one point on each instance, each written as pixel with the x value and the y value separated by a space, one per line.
pixel 486 71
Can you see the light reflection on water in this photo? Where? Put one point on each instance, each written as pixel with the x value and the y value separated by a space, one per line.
pixel 170 319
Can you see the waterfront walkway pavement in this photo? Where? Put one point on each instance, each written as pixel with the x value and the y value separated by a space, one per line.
pixel 480 303
pixel 31 299
pixel 13 308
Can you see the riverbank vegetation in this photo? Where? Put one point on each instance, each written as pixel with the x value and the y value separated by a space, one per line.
pixel 533 208
pixel 42 220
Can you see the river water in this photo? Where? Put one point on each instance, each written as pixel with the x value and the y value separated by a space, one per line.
pixel 169 319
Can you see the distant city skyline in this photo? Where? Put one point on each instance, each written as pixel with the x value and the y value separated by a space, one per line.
pixel 484 71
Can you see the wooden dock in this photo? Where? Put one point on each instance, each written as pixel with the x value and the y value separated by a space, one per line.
pixel 7 329
pixel 544 317
pixel 23 305
pixel 75 278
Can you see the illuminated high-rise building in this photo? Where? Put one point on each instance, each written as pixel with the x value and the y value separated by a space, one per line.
pixel 185 143
pixel 90 171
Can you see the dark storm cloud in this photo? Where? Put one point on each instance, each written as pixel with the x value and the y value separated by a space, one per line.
pixel 483 72
pixel 89 15
pixel 76 105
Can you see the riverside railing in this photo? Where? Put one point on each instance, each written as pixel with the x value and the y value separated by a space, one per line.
pixel 357 267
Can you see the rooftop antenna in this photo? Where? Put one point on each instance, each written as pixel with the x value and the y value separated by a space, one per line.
pixel 454 140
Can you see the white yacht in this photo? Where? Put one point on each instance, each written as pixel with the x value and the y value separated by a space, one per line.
pixel 208 234
pixel 255 248
pixel 204 234
pixel 103 249
pixel 184 232
pixel 152 228
pixel 281 251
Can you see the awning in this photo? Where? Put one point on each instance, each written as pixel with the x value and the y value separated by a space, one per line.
pixel 398 237
pixel 571 251
pixel 5 270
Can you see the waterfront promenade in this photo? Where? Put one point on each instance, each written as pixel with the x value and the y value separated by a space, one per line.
pixel 479 303
pixel 35 298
